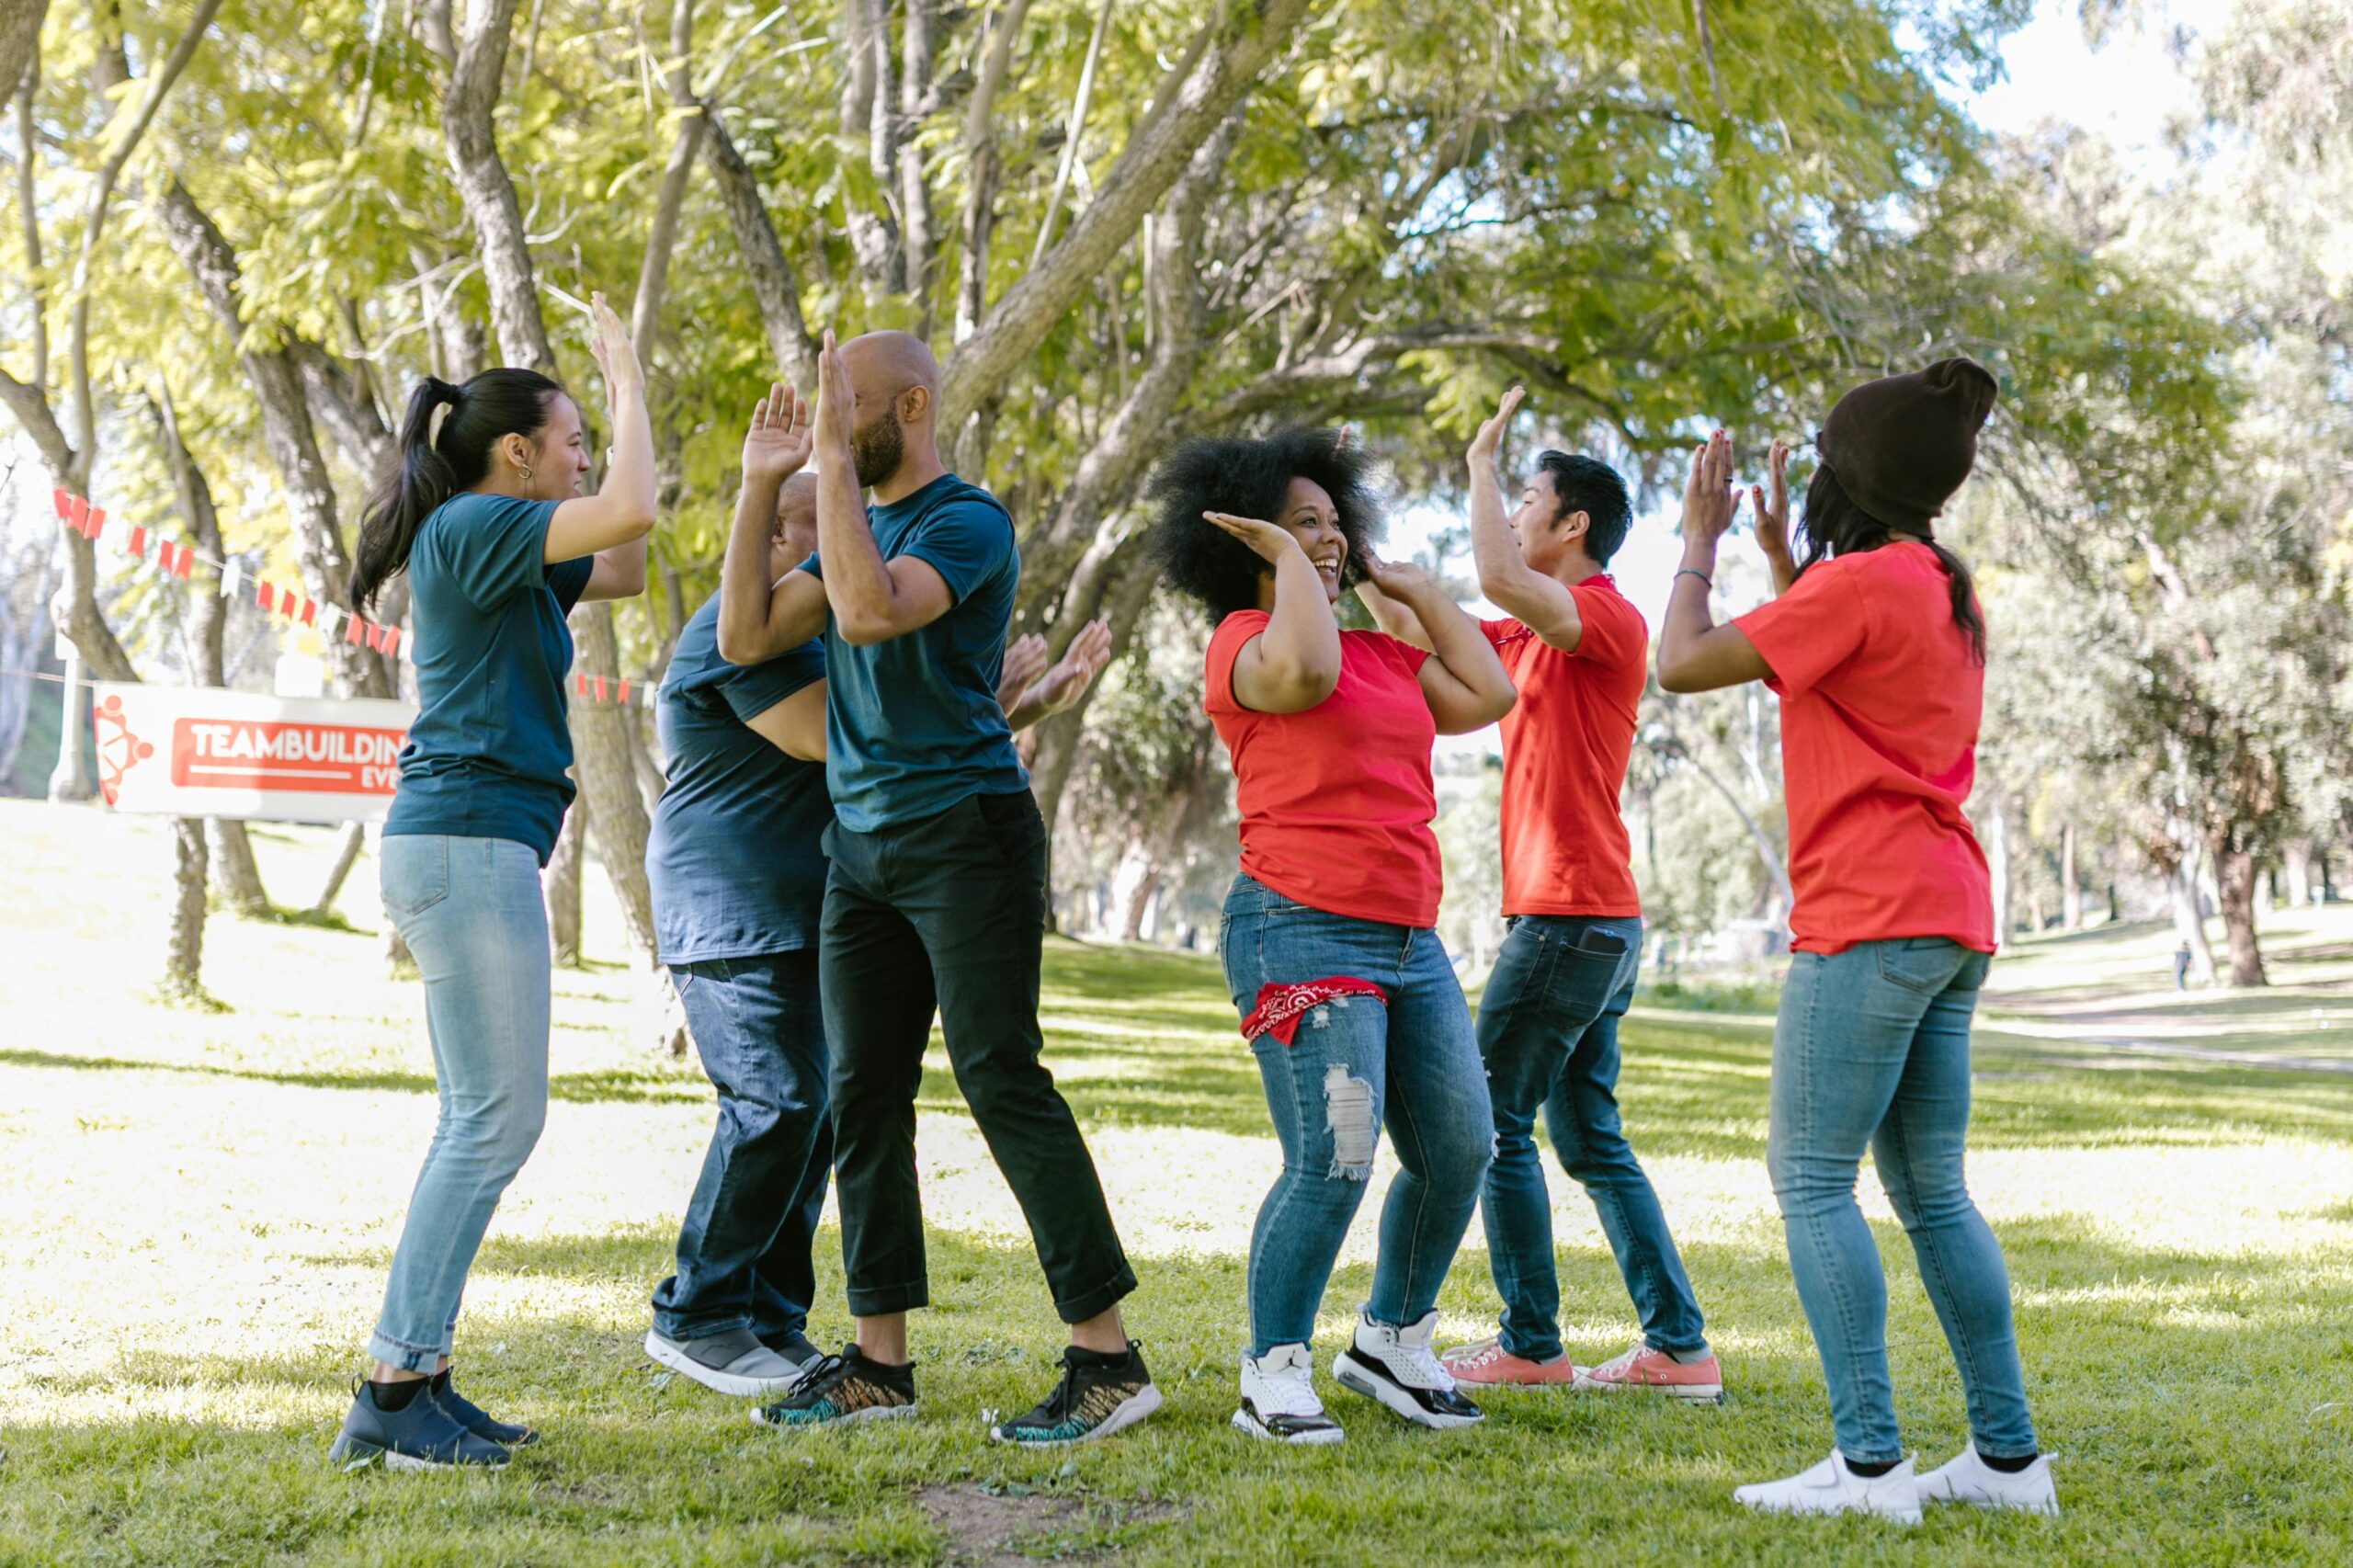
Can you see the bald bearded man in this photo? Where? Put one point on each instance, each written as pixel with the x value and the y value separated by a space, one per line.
pixel 935 900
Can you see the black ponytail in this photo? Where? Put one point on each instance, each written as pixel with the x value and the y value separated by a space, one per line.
pixel 1836 526
pixel 426 471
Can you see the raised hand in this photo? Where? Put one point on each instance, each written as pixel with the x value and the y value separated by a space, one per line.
pixel 1401 580
pixel 1707 496
pixel 1490 433
pixel 777 443
pixel 1773 515
pixel 1080 664
pixel 836 400
pixel 1266 541
pixel 616 356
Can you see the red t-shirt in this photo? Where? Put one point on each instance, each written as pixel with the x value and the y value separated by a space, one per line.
pixel 1880 704
pixel 1337 800
pixel 1565 744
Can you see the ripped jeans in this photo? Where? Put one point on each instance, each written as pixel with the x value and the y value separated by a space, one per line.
pixel 1355 1063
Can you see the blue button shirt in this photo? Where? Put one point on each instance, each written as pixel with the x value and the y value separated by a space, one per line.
pixel 736 858
pixel 487 754
pixel 912 726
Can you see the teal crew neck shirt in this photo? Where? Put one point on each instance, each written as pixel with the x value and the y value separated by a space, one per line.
pixel 913 725
pixel 487 755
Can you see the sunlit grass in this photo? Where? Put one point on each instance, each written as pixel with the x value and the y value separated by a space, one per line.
pixel 198 1209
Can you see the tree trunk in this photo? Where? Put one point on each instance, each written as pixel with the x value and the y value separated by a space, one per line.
pixel 563 887
pixel 347 854
pixel 19 38
pixel 2071 888
pixel 775 289
pixel 1139 901
pixel 487 193
pixel 236 871
pixel 2297 858
pixel 2188 924
pixel 1998 866
pixel 184 957
pixel 2234 873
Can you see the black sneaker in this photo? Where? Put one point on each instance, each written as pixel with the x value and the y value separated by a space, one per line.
pixel 846 1387
pixel 473 1417
pixel 1099 1394
pixel 1394 1367
pixel 421 1434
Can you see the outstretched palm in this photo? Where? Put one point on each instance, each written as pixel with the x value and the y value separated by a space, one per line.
pixel 777 443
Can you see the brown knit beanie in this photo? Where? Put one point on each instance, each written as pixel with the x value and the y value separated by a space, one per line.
pixel 1901 445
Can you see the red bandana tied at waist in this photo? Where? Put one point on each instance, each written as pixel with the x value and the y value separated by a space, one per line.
pixel 1282 1006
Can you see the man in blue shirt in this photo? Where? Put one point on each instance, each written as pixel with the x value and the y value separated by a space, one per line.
pixel 936 899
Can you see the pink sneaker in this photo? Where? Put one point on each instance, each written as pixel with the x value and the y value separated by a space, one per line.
pixel 1488 1362
pixel 1644 1367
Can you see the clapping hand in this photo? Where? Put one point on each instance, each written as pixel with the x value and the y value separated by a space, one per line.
pixel 1399 580
pixel 1707 496
pixel 616 357
pixel 1025 661
pixel 836 400
pixel 1080 664
pixel 1266 541
pixel 1773 514
pixel 1490 433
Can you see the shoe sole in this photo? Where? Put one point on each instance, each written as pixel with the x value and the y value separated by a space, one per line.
pixel 711 1378
pixel 1698 1393
pixel 1909 1518
pixel 1323 1439
pixel 351 1456
pixel 872 1413
pixel 2049 1510
pixel 1477 1382
pixel 1395 1401
pixel 1132 1409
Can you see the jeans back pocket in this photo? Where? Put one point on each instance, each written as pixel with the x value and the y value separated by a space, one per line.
pixel 414 874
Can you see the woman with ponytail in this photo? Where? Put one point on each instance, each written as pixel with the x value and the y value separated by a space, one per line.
pixel 483 513
pixel 1878 651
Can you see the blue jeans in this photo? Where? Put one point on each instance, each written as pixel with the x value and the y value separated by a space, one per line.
pixel 1873 1049
pixel 744 1248
pixel 1548 1030
pixel 471 912
pixel 1354 1065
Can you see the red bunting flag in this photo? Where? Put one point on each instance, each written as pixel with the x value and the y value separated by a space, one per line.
pixel 64 504
pixel 264 595
pixel 185 563
pixel 310 613
pixel 375 637
pixel 624 696
pixel 579 685
pixel 138 545
pixel 165 554
pixel 93 519
pixel 78 511
pixel 352 633
pixel 600 688
pixel 391 642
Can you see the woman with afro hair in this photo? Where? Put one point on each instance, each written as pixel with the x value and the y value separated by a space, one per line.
pixel 1346 997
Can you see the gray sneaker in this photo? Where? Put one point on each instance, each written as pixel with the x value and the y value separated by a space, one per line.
pixel 732 1363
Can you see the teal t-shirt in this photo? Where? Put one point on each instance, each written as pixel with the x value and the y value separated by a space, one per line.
pixel 912 726
pixel 487 754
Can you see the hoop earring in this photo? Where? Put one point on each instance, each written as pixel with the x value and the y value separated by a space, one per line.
pixel 525 472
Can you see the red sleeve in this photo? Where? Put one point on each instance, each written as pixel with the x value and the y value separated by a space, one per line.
pixel 1613 635
pixel 1502 631
pixel 1405 653
pixel 1226 643
pixel 1809 631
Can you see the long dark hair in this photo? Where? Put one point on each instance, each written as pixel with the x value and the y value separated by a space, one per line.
pixel 1836 526
pixel 1248 477
pixel 426 472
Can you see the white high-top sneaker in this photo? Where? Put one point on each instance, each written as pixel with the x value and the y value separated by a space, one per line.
pixel 1278 1399
pixel 1830 1488
pixel 1967 1478
pixel 1394 1366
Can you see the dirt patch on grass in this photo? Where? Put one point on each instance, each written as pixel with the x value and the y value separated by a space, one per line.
pixel 988 1527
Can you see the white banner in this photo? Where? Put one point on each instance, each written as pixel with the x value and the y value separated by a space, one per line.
pixel 201 752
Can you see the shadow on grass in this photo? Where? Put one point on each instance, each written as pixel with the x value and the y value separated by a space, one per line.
pixel 587 1088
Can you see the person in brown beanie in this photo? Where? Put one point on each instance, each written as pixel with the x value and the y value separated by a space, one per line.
pixel 1877 648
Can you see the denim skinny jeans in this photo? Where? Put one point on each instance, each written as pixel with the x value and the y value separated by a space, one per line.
pixel 1871 1050
pixel 471 912
pixel 1355 1064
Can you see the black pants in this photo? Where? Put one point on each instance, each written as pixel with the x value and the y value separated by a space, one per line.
pixel 948 914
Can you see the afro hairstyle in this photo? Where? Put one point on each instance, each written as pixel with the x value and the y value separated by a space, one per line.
pixel 1249 477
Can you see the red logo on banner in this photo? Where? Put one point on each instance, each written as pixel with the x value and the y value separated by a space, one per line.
pixel 120 750
pixel 248 753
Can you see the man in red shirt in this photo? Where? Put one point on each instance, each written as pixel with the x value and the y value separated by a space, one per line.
pixel 1548 1023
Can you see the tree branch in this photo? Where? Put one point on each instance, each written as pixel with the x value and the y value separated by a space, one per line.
pixel 774 287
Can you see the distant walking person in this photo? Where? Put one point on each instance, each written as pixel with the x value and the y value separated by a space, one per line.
pixel 935 897
pixel 738 866
pixel 1548 1021
pixel 483 514
pixel 1345 991
pixel 1877 648
pixel 2181 959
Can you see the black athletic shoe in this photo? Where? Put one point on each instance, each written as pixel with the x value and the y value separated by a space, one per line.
pixel 421 1434
pixel 1099 1394
pixel 473 1417
pixel 1394 1367
pixel 844 1388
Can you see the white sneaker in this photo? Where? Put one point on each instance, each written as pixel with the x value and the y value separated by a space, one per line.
pixel 1394 1367
pixel 1278 1399
pixel 1830 1488
pixel 734 1363
pixel 1967 1478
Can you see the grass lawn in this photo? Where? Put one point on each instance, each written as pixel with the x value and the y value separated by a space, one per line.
pixel 196 1207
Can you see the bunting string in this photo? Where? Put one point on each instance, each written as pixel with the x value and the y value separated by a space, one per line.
pixel 173 558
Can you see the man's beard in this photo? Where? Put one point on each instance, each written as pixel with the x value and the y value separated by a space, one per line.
pixel 878 449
